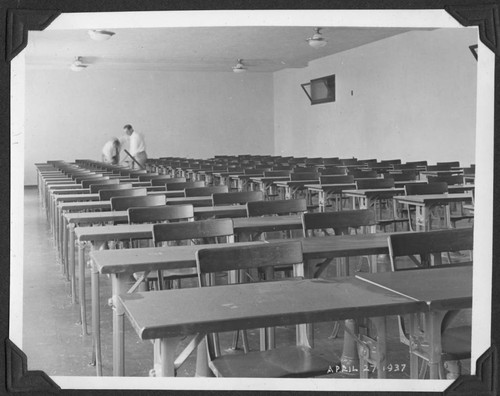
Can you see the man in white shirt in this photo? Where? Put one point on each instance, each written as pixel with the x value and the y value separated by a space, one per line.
pixel 137 145
pixel 111 151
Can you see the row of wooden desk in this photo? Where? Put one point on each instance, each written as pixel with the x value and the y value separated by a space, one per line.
pixel 347 298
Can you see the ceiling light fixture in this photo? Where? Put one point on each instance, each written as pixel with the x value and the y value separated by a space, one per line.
pixel 239 67
pixel 317 40
pixel 78 65
pixel 100 35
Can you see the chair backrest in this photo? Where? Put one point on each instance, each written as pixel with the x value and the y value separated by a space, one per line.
pixel 342 222
pixel 333 170
pixel 423 188
pixel 390 162
pixel 360 174
pixel 202 229
pixel 304 176
pixel 105 180
pixel 167 180
pixel 107 194
pixel 336 179
pixel 149 177
pixel 80 178
pixel 440 167
pixel 313 161
pixel 276 207
pixel 404 166
pixel 374 183
pixel 304 169
pixel 449 164
pixel 212 260
pixel 419 247
pixel 154 214
pixel 184 185
pixel 278 173
pixel 95 188
pixel 331 161
pixel 240 197
pixel 137 173
pixel 205 191
pixel 450 180
pixel 403 176
pixel 417 163
pixel 123 203
pixel 349 161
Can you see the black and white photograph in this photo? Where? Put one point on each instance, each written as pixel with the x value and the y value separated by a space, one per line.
pixel 251 199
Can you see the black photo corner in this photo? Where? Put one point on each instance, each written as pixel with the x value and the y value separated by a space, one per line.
pixel 19 17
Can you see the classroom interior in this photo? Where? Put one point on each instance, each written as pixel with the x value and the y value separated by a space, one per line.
pixel 400 93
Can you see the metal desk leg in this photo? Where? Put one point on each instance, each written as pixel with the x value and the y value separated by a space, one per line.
pixel 71 261
pixel 96 319
pixel 64 248
pixel 119 287
pixel 380 325
pixel 81 286
pixel 167 350
pixel 433 324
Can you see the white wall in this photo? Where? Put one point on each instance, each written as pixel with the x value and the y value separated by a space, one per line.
pixel 413 97
pixel 197 115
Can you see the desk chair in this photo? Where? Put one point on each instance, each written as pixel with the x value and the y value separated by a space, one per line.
pixel 105 179
pixel 166 180
pixel 195 232
pixel 205 191
pixel 150 177
pixel 108 194
pixel 336 179
pixel 425 250
pixel 333 170
pixel 402 175
pixel 423 189
pixel 126 202
pixel 159 214
pixel 298 360
pixel 239 197
pixel 182 185
pixel 95 188
pixel 338 223
pixel 79 178
pixel 449 164
pixel 361 174
pixel 449 180
pixel 276 207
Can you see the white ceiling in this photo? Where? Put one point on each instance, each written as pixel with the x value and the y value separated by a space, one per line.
pixel 207 49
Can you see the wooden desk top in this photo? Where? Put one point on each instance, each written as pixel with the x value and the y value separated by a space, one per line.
pixel 195 201
pixel 374 192
pixel 433 198
pixel 151 259
pixel 440 288
pixel 295 183
pixel 269 179
pixel 267 223
pixel 243 176
pixel 171 257
pixel 121 215
pixel 54 187
pixel 330 187
pixel 72 190
pixel 124 231
pixel 75 197
pixel 256 305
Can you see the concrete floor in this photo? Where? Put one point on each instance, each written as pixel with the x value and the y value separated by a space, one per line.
pixel 52 337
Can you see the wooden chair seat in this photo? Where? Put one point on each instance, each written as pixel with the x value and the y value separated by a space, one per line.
pixel 290 361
